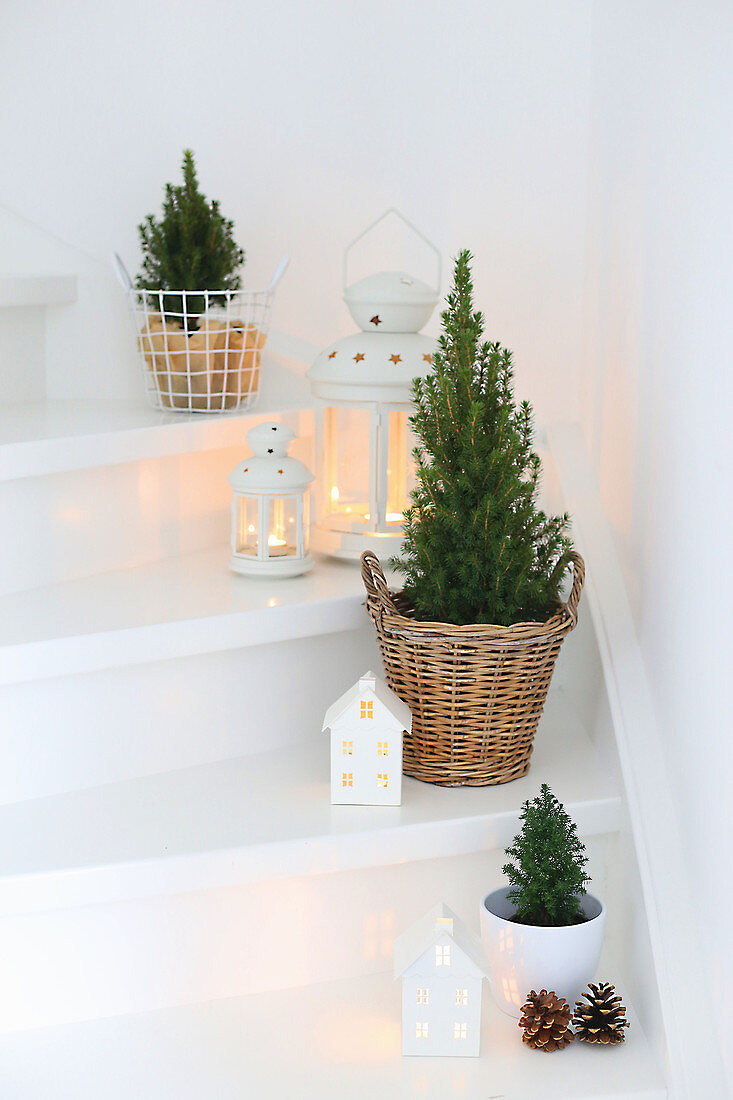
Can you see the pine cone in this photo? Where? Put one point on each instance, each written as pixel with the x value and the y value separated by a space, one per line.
pixel 602 1020
pixel 545 1019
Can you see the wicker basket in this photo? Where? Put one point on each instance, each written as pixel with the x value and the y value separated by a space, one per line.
pixel 476 692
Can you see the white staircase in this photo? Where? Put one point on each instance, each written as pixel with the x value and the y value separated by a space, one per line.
pixel 182 912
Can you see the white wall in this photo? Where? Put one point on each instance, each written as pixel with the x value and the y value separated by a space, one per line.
pixel 308 119
pixel 658 401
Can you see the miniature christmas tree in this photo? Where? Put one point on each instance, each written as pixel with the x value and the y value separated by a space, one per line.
pixel 477 547
pixel 548 873
pixel 192 247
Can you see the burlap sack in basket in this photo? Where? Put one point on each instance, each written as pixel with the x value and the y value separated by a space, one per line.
pixel 213 368
pixel 476 692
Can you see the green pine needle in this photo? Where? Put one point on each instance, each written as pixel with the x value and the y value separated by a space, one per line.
pixel 192 247
pixel 477 547
pixel 547 875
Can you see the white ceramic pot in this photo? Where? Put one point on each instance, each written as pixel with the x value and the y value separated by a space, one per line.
pixel 523 957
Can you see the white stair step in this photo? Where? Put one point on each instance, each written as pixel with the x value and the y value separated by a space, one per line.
pixel 268 816
pixel 37 290
pixel 50 437
pixel 178 607
pixel 330 1040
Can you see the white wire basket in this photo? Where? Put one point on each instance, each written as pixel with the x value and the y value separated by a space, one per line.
pixel 201 350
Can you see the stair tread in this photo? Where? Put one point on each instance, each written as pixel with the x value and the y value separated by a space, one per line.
pixel 54 436
pixel 171 608
pixel 328 1040
pixel 269 815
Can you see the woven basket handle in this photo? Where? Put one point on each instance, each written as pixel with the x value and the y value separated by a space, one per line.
pixel 578 579
pixel 378 595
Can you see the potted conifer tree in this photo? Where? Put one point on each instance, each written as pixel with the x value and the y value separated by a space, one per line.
pixel 543 931
pixel 471 641
pixel 199 333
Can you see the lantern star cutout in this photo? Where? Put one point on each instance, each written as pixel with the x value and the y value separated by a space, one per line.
pixel 375 320
pixel 279 471
pixel 358 357
pixel 332 355
pixel 395 358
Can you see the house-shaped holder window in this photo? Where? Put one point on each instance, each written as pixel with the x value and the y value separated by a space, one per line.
pixel 442 967
pixel 367 727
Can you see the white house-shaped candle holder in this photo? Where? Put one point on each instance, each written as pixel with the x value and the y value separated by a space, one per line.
pixel 442 966
pixel 367 725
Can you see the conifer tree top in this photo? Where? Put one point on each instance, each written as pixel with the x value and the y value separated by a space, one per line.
pixel 547 864
pixel 478 549
pixel 191 247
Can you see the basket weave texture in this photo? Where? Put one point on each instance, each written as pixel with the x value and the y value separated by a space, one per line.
pixel 476 692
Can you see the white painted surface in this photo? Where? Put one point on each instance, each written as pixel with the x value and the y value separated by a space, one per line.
pixel 671 911
pixel 37 290
pixel 101 519
pixel 105 959
pixel 49 437
pixel 509 99
pixel 657 419
pixel 331 1040
pixel 269 815
pixel 70 732
pixel 172 608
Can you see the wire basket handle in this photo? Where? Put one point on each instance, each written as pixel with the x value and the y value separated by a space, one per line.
pixel 279 272
pixel 121 272
pixel 578 580
pixel 395 211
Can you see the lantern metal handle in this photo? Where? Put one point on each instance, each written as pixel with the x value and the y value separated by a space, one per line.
pixel 408 223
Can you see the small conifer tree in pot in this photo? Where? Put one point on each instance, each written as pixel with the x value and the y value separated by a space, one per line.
pixel 471 641
pixel 190 248
pixel 199 334
pixel 544 930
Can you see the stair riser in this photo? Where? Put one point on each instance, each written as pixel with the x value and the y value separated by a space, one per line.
pixel 79 731
pixel 70 525
pixel 103 960
pixel 22 348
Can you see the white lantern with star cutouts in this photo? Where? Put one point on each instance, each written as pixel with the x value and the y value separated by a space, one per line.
pixel 270 514
pixel 362 391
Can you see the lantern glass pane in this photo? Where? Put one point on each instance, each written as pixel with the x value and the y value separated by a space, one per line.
pixel 246 526
pixel 282 527
pixel 346 445
pixel 399 464
pixel 306 523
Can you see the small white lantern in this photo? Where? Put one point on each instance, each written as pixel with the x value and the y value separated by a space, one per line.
pixel 361 386
pixel 270 517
